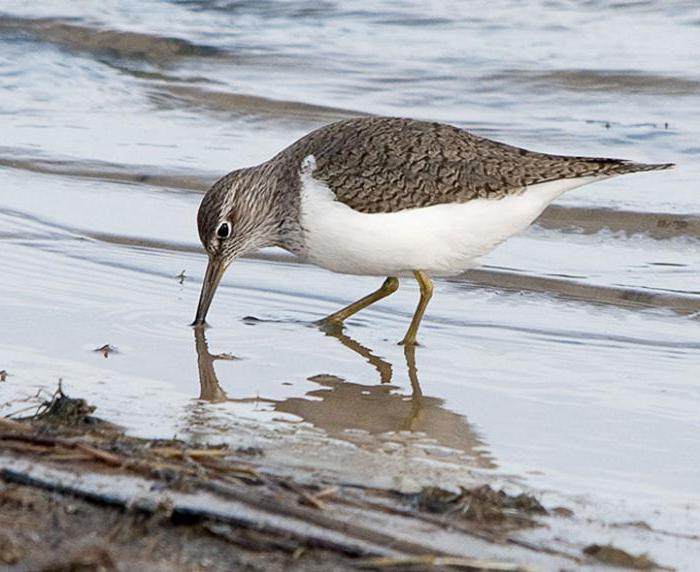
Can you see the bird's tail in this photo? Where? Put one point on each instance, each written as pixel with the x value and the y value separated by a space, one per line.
pixel 568 167
pixel 621 167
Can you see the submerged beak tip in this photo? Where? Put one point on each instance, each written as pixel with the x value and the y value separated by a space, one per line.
pixel 215 270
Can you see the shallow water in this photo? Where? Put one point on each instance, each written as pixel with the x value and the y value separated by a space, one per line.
pixel 568 364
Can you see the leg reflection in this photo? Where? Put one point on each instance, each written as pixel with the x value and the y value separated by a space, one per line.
pixel 340 407
pixel 416 415
pixel 382 366
pixel 385 370
pixel 210 389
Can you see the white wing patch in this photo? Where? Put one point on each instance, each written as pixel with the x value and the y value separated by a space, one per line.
pixel 308 165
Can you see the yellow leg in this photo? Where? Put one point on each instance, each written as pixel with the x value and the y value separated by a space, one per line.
pixel 426 291
pixel 390 286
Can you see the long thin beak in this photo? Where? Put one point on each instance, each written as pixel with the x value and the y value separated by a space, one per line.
pixel 215 270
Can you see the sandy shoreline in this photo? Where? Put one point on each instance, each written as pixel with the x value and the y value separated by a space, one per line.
pixel 118 502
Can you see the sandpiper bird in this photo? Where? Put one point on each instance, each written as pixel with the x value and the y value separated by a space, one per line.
pixel 387 197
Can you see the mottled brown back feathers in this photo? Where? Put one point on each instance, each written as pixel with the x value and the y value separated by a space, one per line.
pixel 381 164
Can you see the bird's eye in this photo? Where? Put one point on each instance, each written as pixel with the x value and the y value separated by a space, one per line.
pixel 224 230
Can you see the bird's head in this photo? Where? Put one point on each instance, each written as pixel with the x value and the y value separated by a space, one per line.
pixel 236 217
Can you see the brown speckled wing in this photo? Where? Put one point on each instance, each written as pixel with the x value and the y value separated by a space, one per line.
pixel 383 165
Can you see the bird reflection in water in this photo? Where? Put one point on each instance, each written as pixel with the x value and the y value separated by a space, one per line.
pixel 339 405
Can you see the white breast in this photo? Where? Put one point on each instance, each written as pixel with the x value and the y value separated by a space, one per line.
pixel 442 240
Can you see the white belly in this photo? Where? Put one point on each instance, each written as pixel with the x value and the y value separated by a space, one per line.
pixel 442 240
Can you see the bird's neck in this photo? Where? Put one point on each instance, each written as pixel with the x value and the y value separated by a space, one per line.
pixel 285 186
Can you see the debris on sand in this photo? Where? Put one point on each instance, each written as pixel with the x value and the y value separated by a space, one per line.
pixel 562 511
pixel 13 497
pixel 106 349
pixel 640 524
pixel 433 562
pixel 143 501
pixel 250 451
pixel 11 550
pixel 608 554
pixel 67 411
pixel 89 558
pixel 183 506
pixel 481 504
